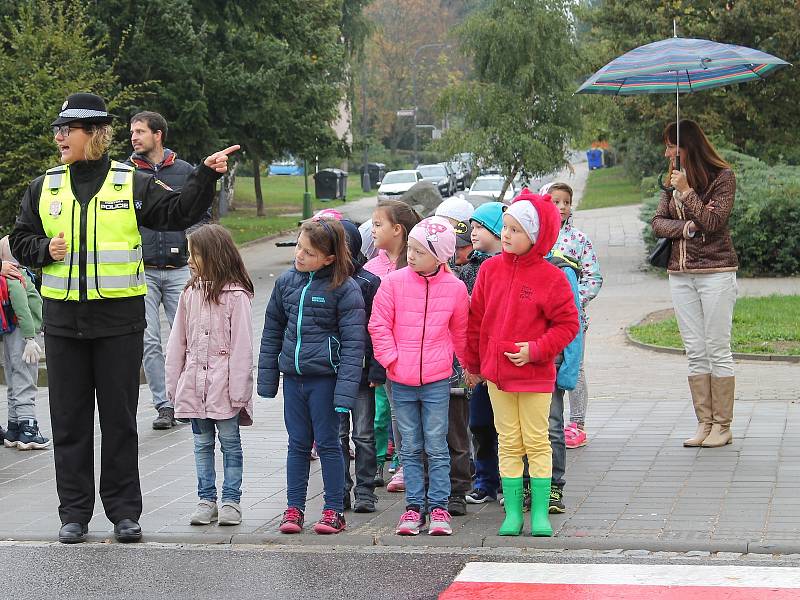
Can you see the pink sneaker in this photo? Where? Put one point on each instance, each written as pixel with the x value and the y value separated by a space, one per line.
pixel 440 522
pixel 292 521
pixel 574 436
pixel 410 523
pixel 331 522
pixel 397 483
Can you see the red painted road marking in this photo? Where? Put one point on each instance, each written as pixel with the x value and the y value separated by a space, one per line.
pixel 540 581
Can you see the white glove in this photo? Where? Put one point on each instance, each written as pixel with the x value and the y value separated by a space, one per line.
pixel 32 352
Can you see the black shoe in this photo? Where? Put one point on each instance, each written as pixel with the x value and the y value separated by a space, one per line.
pixel 479 496
pixel 165 419
pixel 457 506
pixel 29 437
pixel 72 533
pixel 379 478
pixel 556 502
pixel 347 501
pixel 364 505
pixel 127 530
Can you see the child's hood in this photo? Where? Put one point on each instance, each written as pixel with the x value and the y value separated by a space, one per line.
pixel 5 251
pixel 549 220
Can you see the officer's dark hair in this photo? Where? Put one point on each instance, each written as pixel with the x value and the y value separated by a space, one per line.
pixel 154 121
pixel 218 259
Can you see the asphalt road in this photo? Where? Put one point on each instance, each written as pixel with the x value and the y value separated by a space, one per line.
pixel 153 571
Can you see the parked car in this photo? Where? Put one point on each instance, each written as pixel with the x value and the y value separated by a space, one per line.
pixel 395 183
pixel 451 172
pixel 439 176
pixel 285 167
pixel 487 188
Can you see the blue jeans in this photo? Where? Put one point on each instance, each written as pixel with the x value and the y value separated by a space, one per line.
pixel 484 438
pixel 232 461
pixel 310 416
pixel 556 435
pixel 164 286
pixel 422 419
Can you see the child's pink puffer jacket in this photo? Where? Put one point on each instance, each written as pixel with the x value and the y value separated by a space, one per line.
pixel 418 323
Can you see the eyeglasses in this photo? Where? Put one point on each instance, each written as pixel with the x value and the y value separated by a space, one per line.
pixel 65 129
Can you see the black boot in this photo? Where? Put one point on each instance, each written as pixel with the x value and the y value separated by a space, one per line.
pixel 127 530
pixel 379 477
pixel 72 533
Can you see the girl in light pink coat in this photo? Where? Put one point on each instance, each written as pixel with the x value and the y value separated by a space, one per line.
pixel 209 367
pixel 419 319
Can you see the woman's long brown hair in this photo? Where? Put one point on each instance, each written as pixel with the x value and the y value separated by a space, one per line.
pixel 698 156
pixel 220 263
pixel 328 237
pixel 400 213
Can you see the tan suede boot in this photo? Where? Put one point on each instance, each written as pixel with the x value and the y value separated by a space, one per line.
pixel 722 389
pixel 700 386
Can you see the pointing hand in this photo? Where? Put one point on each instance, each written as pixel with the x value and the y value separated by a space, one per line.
pixel 219 160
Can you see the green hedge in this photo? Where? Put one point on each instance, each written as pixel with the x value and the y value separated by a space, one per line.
pixel 764 221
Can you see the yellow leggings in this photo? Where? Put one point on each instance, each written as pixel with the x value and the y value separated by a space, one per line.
pixel 521 420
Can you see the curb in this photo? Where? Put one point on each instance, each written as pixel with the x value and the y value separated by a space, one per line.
pixel 782 358
pixel 458 542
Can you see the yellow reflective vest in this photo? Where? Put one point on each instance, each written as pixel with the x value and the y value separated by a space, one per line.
pixel 114 266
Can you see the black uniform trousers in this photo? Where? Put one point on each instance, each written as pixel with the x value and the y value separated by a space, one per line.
pixel 77 370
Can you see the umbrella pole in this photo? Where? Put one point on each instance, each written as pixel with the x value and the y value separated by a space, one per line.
pixel 677 121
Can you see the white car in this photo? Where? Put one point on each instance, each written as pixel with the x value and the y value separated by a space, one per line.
pixel 396 183
pixel 487 188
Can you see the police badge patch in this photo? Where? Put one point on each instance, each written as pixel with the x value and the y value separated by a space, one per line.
pixel 115 205
pixel 55 208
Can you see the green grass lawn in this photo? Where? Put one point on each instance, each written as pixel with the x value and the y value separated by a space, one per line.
pixel 283 205
pixel 768 325
pixel 609 187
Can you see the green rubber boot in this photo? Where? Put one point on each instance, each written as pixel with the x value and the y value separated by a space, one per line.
pixel 540 507
pixel 512 502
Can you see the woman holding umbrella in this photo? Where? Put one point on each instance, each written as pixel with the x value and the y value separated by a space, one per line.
pixel 702 274
pixel 79 223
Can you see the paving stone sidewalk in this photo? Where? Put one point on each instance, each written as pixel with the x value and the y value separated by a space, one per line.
pixel 633 486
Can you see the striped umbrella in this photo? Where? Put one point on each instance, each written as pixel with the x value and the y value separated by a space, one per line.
pixel 680 65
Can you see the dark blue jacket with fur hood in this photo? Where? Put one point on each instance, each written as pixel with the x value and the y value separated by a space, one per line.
pixel 311 329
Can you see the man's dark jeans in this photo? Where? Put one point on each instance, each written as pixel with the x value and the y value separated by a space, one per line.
pixel 363 415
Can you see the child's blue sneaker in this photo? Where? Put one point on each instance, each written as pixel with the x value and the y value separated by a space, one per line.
pixel 29 436
pixel 11 435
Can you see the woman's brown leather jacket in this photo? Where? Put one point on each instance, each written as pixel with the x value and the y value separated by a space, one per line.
pixel 710 249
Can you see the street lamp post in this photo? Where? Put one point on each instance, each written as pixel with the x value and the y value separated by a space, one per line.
pixel 414 86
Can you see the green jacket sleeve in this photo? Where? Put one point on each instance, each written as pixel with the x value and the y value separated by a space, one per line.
pixel 27 305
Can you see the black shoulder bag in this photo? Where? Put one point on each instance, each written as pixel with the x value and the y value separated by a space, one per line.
pixel 659 257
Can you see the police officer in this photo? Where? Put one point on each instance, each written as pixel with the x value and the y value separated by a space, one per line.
pixel 79 223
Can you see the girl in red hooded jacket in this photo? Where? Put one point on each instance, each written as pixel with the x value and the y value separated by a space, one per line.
pixel 522 314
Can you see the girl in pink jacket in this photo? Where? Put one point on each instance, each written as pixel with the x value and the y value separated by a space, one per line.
pixel 209 366
pixel 391 222
pixel 418 322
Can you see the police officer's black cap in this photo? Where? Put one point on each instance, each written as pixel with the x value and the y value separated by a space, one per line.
pixel 87 108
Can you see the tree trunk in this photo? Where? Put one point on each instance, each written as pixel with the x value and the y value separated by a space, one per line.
pixel 223 200
pixel 257 182
pixel 231 179
pixel 507 182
